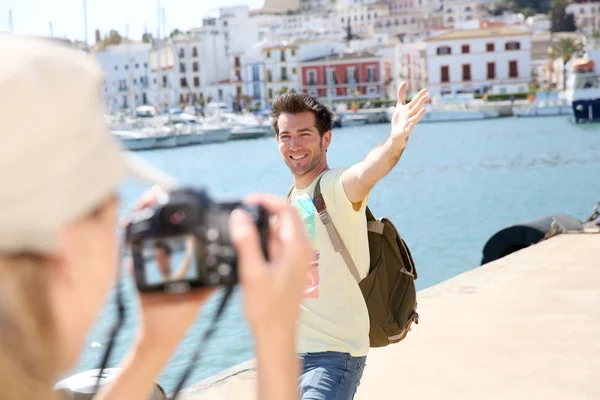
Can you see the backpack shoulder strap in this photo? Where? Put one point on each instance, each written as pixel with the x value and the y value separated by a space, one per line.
pixel 289 193
pixel 334 236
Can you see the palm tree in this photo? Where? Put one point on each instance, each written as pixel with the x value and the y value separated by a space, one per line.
pixel 566 49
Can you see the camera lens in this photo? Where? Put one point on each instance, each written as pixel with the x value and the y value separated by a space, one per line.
pixel 177 217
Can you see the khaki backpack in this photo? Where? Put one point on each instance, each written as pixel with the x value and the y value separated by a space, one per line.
pixel 389 287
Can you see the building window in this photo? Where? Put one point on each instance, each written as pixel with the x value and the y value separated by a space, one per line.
pixel 284 76
pixel 490 47
pixel 351 75
pixel 194 52
pixel 371 74
pixel 513 69
pixel 270 93
pixel 466 49
pixel 491 70
pixel 444 50
pixel 182 68
pixel 294 71
pixel 181 53
pixel 236 62
pixel 116 67
pixel 183 83
pixel 137 65
pixel 282 55
pixel 145 65
pixel 195 66
pixel 331 78
pixel 513 46
pixel 255 73
pixel 311 77
pixel 269 76
pixel 164 81
pixel 196 82
pixel 445 73
pixel 293 52
pixel 466 72
pixel 268 54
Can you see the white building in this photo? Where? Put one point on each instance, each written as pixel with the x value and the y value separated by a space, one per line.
pixel 456 12
pixel 413 66
pixel 471 61
pixel 300 26
pixel 127 72
pixel 254 76
pixel 587 15
pixel 539 23
pixel 281 61
pixel 192 66
pixel 361 17
pixel 164 86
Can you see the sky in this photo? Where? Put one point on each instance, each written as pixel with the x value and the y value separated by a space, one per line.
pixel 33 17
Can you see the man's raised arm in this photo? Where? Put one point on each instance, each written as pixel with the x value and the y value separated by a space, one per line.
pixel 359 179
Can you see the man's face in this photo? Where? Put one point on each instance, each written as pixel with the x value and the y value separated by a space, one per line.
pixel 300 144
pixel 163 260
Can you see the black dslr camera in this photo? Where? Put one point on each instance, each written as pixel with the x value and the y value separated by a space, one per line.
pixel 182 242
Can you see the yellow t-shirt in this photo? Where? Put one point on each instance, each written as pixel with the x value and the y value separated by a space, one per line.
pixel 333 314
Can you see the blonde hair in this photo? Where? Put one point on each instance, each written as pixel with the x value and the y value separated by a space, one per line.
pixel 28 345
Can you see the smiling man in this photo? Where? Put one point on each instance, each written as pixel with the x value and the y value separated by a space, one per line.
pixel 333 339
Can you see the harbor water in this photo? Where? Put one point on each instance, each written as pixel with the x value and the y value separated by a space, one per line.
pixel 455 186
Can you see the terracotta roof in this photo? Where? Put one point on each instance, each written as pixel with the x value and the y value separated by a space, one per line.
pixel 344 57
pixel 478 33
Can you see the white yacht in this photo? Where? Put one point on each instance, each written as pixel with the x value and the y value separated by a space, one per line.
pixel 248 126
pixel 348 120
pixel 545 104
pixel 583 91
pixel 134 140
pixel 458 107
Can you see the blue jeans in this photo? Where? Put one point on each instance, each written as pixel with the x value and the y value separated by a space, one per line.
pixel 330 375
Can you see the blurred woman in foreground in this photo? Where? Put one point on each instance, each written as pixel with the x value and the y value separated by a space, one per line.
pixel 59 174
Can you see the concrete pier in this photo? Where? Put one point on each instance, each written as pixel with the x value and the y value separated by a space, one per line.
pixel 524 327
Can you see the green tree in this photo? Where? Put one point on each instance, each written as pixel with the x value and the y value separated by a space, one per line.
pixel 561 20
pixel 113 38
pixel 566 49
pixel 175 33
pixel 526 7
pixel 147 38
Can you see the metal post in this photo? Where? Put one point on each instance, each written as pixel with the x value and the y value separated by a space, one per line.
pixel 85 23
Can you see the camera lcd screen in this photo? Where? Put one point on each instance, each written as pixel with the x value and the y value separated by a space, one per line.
pixel 170 259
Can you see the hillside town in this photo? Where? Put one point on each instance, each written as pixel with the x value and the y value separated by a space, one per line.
pixel 352 52
pixel 343 50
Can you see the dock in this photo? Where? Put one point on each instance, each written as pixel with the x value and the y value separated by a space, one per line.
pixel 526 326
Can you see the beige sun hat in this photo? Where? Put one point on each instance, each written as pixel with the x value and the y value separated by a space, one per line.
pixel 58 158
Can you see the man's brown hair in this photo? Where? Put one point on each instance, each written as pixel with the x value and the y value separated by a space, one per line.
pixel 295 103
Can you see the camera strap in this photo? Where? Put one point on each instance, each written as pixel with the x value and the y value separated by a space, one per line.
pixel 115 329
pixel 205 338
pixel 195 357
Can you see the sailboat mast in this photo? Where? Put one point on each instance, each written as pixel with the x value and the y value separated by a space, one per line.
pixel 85 22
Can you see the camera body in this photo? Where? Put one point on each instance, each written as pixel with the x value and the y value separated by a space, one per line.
pixel 182 242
